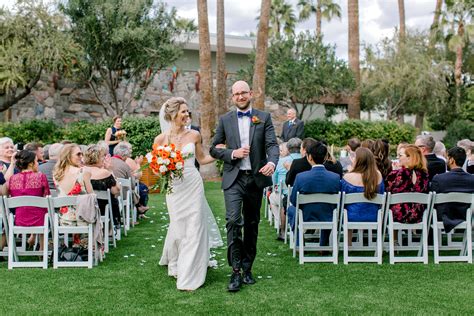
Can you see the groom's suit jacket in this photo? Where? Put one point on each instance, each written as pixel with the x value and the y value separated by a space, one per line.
pixel 263 146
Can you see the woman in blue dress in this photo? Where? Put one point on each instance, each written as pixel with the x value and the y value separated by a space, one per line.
pixel 365 178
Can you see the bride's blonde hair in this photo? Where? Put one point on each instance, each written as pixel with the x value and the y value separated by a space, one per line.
pixel 172 107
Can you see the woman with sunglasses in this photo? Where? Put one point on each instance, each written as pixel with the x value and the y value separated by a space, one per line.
pixel 71 179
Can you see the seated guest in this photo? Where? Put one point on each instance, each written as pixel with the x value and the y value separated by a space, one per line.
pixel 380 150
pixel 365 178
pixel 46 152
pixel 456 180
pixel 119 167
pixel 352 145
pixel 71 179
pixel 32 183
pixel 293 148
pixel 299 165
pixel 135 165
pixel 316 180
pixel 440 150
pixel 37 148
pixel 48 166
pixel 468 146
pixel 333 165
pixel 435 165
pixel 102 179
pixel 411 177
pixel 7 151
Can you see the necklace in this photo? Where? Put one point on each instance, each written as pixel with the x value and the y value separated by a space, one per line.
pixel 177 137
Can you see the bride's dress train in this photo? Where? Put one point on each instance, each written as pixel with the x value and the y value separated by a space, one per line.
pixel 192 230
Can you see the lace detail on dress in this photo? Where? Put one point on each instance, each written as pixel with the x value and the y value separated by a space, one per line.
pixel 27 180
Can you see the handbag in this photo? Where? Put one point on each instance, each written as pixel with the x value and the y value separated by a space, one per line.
pixel 72 254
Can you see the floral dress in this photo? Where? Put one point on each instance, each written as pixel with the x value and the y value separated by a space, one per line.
pixel 401 181
pixel 67 214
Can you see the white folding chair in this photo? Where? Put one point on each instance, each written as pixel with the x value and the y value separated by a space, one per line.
pixel 13 230
pixel 3 226
pixel 288 232
pixel 301 226
pixel 422 246
pixel 65 201
pixel 353 198
pixel 438 227
pixel 107 219
pixel 126 202
pixel 268 211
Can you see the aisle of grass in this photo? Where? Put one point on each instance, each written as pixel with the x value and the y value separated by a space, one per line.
pixel 130 281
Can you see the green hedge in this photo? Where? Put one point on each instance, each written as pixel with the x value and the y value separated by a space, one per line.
pixel 140 132
pixel 338 133
pixel 457 130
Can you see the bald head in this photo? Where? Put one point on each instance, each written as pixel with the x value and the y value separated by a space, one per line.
pixel 54 150
pixel 241 95
pixel 240 85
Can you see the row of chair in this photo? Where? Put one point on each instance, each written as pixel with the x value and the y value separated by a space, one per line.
pixel 385 225
pixel 52 227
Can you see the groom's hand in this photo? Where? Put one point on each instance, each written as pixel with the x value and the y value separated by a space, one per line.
pixel 268 169
pixel 241 153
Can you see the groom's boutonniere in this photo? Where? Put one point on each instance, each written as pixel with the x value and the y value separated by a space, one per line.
pixel 256 120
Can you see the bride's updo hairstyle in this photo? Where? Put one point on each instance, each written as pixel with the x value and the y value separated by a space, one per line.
pixel 172 107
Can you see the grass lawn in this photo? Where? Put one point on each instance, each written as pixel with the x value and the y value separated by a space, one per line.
pixel 131 281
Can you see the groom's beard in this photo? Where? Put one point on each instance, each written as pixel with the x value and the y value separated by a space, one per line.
pixel 243 107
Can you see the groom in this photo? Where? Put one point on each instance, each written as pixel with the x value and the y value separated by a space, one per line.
pixel 249 161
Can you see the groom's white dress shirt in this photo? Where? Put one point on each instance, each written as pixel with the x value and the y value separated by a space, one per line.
pixel 244 132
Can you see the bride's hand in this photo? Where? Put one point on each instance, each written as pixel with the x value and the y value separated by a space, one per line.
pixel 221 146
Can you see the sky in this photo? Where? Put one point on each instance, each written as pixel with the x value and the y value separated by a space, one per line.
pixel 377 18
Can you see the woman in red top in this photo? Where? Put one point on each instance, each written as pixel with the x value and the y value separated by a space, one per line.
pixel 28 182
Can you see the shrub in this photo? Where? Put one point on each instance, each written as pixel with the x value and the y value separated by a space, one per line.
pixel 338 133
pixel 29 131
pixel 458 130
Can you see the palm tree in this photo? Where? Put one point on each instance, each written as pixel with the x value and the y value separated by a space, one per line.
pixel 282 18
pixel 324 9
pixel 435 25
pixel 220 61
pixel 261 55
pixel 401 12
pixel 353 107
pixel 208 116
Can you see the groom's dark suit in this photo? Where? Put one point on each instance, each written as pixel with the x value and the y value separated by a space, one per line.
pixel 243 189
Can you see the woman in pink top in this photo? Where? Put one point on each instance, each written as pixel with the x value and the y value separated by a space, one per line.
pixel 32 183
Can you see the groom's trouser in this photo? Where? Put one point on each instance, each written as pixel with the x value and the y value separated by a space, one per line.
pixel 242 201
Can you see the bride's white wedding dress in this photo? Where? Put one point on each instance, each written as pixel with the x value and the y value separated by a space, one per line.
pixel 192 230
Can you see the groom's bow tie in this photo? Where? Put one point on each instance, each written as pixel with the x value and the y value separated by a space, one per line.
pixel 242 114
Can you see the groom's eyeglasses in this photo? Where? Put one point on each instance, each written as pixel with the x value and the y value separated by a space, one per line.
pixel 240 94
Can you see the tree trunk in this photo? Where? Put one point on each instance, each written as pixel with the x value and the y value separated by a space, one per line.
pixel 420 117
pixel 401 12
pixel 318 19
pixel 207 106
pixel 435 24
pixel 354 63
pixel 221 103
pixel 458 67
pixel 261 56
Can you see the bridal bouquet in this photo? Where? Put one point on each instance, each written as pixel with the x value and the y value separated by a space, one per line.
pixel 168 163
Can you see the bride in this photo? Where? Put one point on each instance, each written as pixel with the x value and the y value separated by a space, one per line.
pixel 193 229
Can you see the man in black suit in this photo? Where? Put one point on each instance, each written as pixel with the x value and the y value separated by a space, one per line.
pixel 456 180
pixel 250 159
pixel 293 127
pixel 436 165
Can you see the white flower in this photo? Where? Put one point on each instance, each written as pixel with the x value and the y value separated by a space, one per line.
pixel 179 165
pixel 173 155
pixel 160 160
pixel 161 147
pixel 168 148
pixel 166 161
pixel 163 169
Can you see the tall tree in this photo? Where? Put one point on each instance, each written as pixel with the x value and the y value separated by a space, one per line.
pixel 401 13
pixel 354 62
pixel 282 19
pixel 33 41
pixel 324 9
pixel 259 74
pixel 126 43
pixel 208 114
pixel 435 25
pixel 221 89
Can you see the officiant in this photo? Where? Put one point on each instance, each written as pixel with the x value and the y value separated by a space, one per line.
pixel 293 127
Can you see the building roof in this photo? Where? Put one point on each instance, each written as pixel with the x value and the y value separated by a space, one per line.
pixel 233 44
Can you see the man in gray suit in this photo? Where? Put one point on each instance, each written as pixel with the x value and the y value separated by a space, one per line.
pixel 249 161
pixel 293 127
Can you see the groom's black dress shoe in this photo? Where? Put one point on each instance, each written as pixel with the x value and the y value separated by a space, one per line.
pixel 248 278
pixel 235 282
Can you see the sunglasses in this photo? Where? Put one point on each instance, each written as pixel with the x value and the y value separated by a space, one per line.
pixel 79 154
